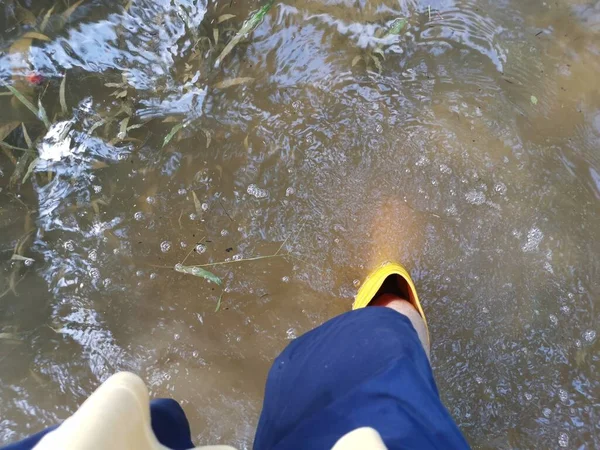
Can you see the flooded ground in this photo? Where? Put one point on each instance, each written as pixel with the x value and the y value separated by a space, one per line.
pixel 469 151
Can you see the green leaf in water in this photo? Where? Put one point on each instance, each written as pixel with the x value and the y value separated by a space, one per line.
pixel 534 100
pixel 27 103
pixel 198 272
pixel 172 133
pixel 248 27
pixel 219 303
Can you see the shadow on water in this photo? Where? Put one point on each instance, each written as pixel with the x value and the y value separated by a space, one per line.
pixel 466 147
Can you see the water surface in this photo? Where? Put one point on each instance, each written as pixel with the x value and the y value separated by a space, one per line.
pixel 470 154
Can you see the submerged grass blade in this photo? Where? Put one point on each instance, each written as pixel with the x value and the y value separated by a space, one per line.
pixel 44 23
pixel 233 82
pixel 225 17
pixel 68 12
pixel 249 26
pixel 172 133
pixel 30 169
pixel 219 303
pixel 198 272
pixel 27 103
pixel 62 95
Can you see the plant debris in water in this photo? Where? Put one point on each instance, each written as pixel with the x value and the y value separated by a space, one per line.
pixel 248 27
pixel 198 272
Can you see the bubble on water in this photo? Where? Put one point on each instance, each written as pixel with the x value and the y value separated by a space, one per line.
pixel 28 262
pixel 528 396
pixel 165 246
pixel 445 169
pixel 289 191
pixel 285 279
pixel 356 283
pixel 565 309
pixel 195 353
pixel 94 273
pixel 548 268
pixel 151 200
pixel 478 380
pixel 534 237
pixel 422 161
pixel 138 216
pixel 578 343
pixel 236 257
pixel 500 188
pixel 475 197
pixel 204 206
pixel 257 192
pixel 182 191
pixel 153 276
pixel 106 282
pixel 69 246
pixel 178 267
pixel 562 394
pixel 589 336
pixel 116 251
pixel 224 232
pixel 291 333
pixel 563 439
pixel 451 210
pixel 547 412
pixel 176 337
pixel 379 128
pixel 200 248
pixel 553 319
pixel 296 104
pixel 97 189
pixel 193 216
pixel 183 244
pixel 139 273
pixel 93 255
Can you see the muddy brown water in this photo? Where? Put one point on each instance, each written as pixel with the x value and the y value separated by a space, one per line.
pixel 471 156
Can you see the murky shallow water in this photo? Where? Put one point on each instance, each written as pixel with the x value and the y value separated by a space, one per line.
pixel 472 156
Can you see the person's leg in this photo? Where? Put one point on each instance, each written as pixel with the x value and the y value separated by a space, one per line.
pixel 405 308
pixel 367 367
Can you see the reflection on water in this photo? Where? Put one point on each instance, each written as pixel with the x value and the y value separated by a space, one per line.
pixel 470 155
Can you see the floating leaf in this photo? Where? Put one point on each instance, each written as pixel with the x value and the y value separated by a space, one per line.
pixel 44 23
pixel 21 258
pixel 114 85
pixel 30 169
pixel 36 35
pixel 248 27
pixel 198 272
pixel 534 100
pixel 233 82
pixel 68 12
pixel 356 60
pixel 216 35
pixel 172 133
pixel 62 95
pixel 136 126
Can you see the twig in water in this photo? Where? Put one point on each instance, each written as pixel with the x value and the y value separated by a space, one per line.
pixel 221 203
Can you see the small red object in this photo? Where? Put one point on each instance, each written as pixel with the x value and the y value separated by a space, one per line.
pixel 35 78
